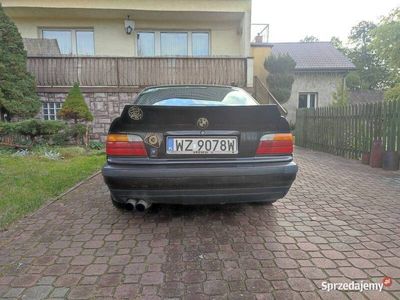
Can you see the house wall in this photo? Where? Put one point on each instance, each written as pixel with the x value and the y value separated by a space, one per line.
pixel 259 54
pixel 228 20
pixel 324 84
pixel 105 107
pixel 111 39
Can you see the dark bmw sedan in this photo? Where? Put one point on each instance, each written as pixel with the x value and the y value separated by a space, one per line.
pixel 198 145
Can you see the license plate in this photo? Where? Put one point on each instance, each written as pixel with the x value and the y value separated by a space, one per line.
pixel 202 145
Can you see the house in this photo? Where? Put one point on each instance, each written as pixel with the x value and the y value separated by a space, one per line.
pixel 366 96
pixel 116 48
pixel 320 69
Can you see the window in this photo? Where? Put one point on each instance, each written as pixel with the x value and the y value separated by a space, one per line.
pixel 50 110
pixel 72 41
pixel 173 43
pixel 308 100
pixel 200 44
pixel 146 44
pixel 195 96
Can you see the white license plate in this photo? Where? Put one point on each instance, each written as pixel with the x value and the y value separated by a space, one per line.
pixel 202 145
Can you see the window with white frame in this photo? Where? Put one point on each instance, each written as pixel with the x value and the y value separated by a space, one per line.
pixel 173 43
pixel 308 100
pixel 72 41
pixel 50 110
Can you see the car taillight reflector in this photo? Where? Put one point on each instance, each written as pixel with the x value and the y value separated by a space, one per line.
pixel 275 144
pixel 125 145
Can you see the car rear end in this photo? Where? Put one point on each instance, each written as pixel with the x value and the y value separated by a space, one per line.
pixel 199 145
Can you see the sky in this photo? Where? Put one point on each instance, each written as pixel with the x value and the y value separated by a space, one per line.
pixel 292 20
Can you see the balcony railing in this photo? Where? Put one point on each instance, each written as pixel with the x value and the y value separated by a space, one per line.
pixel 137 71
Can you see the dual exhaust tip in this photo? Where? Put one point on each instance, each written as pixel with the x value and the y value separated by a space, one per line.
pixel 139 205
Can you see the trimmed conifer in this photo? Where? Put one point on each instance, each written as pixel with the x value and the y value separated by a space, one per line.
pixel 17 87
pixel 75 107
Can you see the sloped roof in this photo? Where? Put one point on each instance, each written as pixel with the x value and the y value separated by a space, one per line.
pixel 314 56
pixel 365 96
pixel 41 47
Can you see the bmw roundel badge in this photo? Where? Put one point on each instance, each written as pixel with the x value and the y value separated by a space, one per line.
pixel 202 123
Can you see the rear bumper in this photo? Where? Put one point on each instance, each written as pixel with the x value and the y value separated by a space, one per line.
pixel 201 183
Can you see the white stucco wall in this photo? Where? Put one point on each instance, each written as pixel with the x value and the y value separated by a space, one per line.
pixel 324 84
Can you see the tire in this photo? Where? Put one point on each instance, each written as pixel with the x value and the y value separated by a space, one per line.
pixel 119 205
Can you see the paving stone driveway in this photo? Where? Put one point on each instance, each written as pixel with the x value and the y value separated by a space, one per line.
pixel 340 222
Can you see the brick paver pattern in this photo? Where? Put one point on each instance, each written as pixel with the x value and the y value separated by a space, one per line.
pixel 340 222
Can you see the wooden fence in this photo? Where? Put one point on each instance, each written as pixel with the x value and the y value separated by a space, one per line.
pixel 137 71
pixel 349 131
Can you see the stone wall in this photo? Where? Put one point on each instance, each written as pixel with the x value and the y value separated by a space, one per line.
pixel 105 107
pixel 322 83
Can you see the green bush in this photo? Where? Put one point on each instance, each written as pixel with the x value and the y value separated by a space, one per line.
pixel 393 94
pixel 281 76
pixel 95 145
pixel 33 129
pixel 7 128
pixel 75 107
pixel 72 132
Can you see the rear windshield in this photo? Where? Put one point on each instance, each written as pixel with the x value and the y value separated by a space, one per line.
pixel 196 96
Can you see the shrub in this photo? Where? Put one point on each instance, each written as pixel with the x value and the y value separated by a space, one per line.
pixel 34 128
pixel 95 145
pixel 7 128
pixel 72 132
pixel 17 87
pixel 74 107
pixel 51 154
pixel 281 76
pixel 393 94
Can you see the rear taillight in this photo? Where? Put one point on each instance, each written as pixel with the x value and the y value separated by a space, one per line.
pixel 275 144
pixel 125 145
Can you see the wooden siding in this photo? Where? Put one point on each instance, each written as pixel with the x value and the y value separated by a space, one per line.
pixel 135 71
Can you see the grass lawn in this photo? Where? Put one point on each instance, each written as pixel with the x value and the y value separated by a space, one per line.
pixel 26 183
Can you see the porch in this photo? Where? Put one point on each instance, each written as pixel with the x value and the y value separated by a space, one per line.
pixel 134 73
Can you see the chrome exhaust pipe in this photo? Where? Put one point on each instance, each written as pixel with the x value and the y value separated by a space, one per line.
pixel 142 205
pixel 131 204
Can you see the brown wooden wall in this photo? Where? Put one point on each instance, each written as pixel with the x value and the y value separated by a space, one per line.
pixel 135 71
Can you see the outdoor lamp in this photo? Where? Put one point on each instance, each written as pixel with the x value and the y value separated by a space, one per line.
pixel 129 25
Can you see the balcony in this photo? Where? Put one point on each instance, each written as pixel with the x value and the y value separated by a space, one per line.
pixel 138 72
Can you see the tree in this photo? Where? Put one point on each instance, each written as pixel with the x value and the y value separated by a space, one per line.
pixel 17 87
pixel 341 96
pixel 371 69
pixel 353 81
pixel 386 42
pixel 338 44
pixel 393 94
pixel 281 76
pixel 76 109
pixel 309 39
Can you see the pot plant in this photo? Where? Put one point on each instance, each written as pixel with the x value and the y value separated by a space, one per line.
pixel 375 160
pixel 390 160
